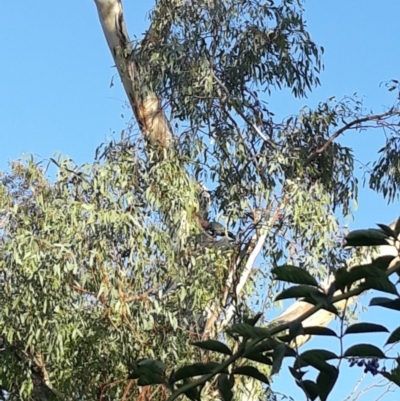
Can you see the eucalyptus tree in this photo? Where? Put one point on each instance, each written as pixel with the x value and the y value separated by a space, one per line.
pixel 112 263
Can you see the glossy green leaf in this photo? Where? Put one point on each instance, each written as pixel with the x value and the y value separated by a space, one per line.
pixel 257 357
pixel 299 291
pixel 319 331
pixel 246 330
pixel 194 393
pixel 387 230
pixel 371 237
pixel 197 369
pixel 310 388
pixel 213 345
pixel 278 355
pixel 381 284
pixel 250 371
pixel 365 328
pixel 252 321
pixel 386 303
pixel 364 351
pixel 394 337
pixel 293 274
pixel 393 377
pixel 326 382
pixel 225 384
pixel 397 227
pixel 316 358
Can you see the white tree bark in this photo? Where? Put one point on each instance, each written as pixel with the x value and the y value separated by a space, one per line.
pixel 145 104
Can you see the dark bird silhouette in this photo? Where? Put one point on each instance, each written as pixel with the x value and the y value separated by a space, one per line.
pixel 216 229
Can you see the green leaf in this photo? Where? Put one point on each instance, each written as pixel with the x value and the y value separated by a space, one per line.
pixel 298 291
pixel 213 345
pixel 266 345
pixel 225 385
pixel 326 383
pixel 393 377
pixel 295 329
pixel 246 330
pixel 381 284
pixel 323 300
pixel 278 355
pixel 387 230
pixel 197 369
pixel 364 351
pixel 253 320
pixel 319 331
pixel 344 279
pixel 386 303
pixel 371 237
pixel 149 377
pixel 251 371
pixel 316 358
pixel 256 357
pixel 297 374
pixel 310 388
pixel 383 262
pixel 148 371
pixel 194 393
pixel 365 328
pixel 397 227
pixel 294 274
pixel 394 337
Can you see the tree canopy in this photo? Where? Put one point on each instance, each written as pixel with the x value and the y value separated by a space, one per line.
pixel 111 270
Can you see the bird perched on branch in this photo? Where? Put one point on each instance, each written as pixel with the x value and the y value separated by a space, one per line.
pixel 216 229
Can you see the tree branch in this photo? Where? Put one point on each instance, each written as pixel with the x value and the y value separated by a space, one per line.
pixel 351 125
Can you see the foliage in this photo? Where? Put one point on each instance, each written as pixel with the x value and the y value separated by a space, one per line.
pixel 272 345
pixel 87 276
pixel 104 280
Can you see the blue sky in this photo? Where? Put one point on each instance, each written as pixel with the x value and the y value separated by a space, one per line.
pixel 56 71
